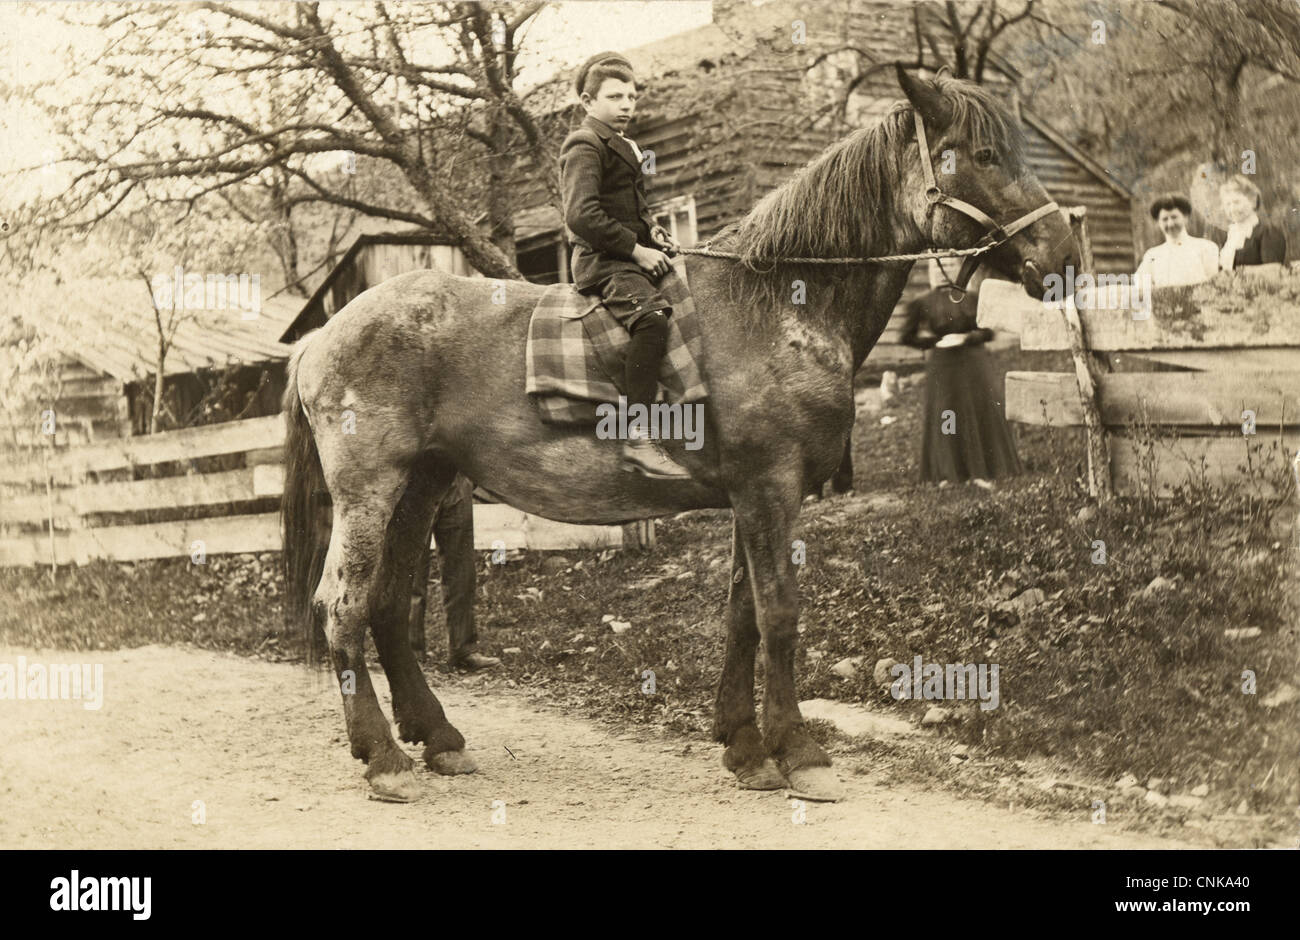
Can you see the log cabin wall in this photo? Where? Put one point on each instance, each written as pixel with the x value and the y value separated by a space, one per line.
pixel 92 406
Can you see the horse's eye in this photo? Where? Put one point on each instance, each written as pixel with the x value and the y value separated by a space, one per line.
pixel 986 157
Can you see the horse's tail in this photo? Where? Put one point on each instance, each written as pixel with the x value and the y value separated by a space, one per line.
pixel 303 534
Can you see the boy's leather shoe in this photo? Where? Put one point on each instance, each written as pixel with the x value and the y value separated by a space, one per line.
pixel 644 456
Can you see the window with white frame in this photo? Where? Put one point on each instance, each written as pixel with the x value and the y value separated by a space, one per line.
pixel 678 217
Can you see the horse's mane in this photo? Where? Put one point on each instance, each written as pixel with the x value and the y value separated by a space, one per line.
pixel 842 204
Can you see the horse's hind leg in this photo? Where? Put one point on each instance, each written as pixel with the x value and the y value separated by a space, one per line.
pixel 733 715
pixel 416 709
pixel 353 567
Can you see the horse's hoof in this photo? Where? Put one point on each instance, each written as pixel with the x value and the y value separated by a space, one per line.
pixel 766 776
pixel 451 762
pixel 819 784
pixel 395 788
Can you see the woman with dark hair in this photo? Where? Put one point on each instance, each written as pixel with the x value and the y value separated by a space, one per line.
pixel 1248 242
pixel 965 436
pixel 1180 258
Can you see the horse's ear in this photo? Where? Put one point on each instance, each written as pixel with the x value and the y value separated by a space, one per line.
pixel 925 97
pixel 943 70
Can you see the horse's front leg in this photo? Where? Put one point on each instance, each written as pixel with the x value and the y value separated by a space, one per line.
pixel 766 511
pixel 734 722
pixel 842 481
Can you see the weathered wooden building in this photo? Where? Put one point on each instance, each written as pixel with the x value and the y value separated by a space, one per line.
pixel 370 259
pixel 222 364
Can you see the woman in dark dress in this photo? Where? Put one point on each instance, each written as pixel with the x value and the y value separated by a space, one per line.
pixel 1248 242
pixel 965 436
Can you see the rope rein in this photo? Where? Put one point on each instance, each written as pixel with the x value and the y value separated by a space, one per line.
pixel 879 259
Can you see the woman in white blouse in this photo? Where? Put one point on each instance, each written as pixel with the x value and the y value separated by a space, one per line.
pixel 1181 258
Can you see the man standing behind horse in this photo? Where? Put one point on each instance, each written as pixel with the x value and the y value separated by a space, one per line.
pixel 618 250
pixel 453 530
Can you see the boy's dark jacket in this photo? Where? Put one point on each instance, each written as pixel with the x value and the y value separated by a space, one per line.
pixel 605 207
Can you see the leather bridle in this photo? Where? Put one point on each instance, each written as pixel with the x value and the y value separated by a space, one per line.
pixel 995 234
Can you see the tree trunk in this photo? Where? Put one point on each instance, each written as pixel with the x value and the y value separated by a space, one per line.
pixel 158 388
pixel 501 218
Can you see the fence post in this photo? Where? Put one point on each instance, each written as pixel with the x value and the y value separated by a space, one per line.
pixel 49 502
pixel 1086 369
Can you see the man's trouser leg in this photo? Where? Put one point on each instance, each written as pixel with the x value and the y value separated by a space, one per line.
pixel 419 599
pixel 453 530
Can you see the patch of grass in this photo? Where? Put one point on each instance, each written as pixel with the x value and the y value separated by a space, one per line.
pixel 232 602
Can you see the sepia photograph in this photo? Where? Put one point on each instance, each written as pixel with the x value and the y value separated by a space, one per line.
pixel 651 424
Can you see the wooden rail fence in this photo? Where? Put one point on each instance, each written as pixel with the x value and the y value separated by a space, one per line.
pixel 57 490
pixel 1235 423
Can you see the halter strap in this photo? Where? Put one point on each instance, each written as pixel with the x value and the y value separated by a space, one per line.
pixel 995 234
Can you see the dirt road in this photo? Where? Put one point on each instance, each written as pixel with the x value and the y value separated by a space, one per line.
pixel 261 746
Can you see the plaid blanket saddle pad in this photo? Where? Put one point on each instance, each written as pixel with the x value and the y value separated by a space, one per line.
pixel 576 353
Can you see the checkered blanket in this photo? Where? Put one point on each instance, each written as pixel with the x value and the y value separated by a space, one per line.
pixel 576 353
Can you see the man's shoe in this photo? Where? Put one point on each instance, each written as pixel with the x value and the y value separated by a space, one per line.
pixel 644 456
pixel 473 662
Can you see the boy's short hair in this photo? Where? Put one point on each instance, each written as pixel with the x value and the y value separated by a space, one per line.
pixel 592 73
pixel 1171 201
pixel 1241 184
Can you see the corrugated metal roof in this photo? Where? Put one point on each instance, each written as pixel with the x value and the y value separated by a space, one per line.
pixel 110 326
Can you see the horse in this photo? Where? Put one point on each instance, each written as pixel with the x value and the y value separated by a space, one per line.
pixel 422 376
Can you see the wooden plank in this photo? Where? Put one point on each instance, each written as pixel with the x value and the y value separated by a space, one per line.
pixel 220 536
pixel 79 408
pixel 95 386
pixel 890 353
pixel 34 507
pixel 268 479
pixel 492 522
pixel 252 533
pixel 75 370
pixel 264 455
pixel 261 533
pixel 1224 360
pixel 1219 459
pixel 1193 399
pixel 195 489
pixel 545 535
pixel 210 440
pixel 1176 320
pixel 495 522
pixel 1003 305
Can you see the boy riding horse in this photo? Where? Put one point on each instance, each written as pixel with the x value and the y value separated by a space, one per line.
pixel 618 250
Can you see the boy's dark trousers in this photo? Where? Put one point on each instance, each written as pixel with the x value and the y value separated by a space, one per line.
pixel 453 529
pixel 634 301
